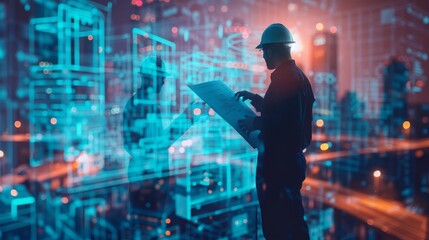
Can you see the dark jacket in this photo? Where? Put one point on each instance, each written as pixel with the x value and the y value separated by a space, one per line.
pixel 144 136
pixel 286 119
pixel 141 122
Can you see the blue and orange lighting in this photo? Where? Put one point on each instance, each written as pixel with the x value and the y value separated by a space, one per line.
pixel 377 173
pixel 70 68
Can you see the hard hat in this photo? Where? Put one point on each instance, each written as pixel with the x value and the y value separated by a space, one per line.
pixel 153 66
pixel 275 33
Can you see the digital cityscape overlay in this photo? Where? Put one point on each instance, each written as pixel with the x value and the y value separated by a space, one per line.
pixel 69 67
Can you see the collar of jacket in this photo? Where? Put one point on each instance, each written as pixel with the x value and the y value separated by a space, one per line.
pixel 278 73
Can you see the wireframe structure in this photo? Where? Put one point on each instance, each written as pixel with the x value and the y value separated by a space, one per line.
pixel 70 67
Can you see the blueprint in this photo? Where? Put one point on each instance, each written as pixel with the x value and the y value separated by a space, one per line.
pixel 221 98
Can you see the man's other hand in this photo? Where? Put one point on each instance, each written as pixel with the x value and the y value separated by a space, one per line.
pixel 244 95
pixel 247 124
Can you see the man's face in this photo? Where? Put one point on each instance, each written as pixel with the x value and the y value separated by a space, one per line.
pixel 160 80
pixel 267 54
pixel 148 82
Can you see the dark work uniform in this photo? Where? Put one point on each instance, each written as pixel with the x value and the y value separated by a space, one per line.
pixel 285 124
pixel 147 142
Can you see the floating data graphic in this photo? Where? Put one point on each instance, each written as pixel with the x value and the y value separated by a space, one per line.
pixel 102 138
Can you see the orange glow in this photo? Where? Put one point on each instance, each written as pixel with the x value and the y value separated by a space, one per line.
pixel 377 173
pixel 320 123
pixel 167 233
pixel 406 125
pixel 168 221
pixel 291 7
pixel 211 112
pixel 13 193
pixel 333 29
pixel 264 186
pixel 17 124
pixel 53 121
pixel 55 183
pixel 90 37
pixel 324 146
pixel 197 111
pixel 64 200
pixel 174 30
pixel 75 165
pixel 135 17
pixel 420 153
pixel 315 169
pixel 319 26
pixel 298 46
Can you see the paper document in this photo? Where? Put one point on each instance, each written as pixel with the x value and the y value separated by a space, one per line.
pixel 221 98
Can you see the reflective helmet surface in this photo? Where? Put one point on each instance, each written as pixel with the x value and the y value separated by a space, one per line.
pixel 153 66
pixel 275 33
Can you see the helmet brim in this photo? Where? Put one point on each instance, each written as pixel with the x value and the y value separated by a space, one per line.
pixel 156 73
pixel 260 46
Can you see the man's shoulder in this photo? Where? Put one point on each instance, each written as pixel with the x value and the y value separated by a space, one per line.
pixel 134 107
pixel 129 103
pixel 291 81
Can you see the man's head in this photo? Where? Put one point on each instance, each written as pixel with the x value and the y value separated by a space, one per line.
pixel 153 73
pixel 274 54
pixel 274 43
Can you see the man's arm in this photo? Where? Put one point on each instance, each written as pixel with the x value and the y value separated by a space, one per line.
pixel 282 123
pixel 257 123
pixel 178 127
pixel 185 121
pixel 130 136
pixel 257 102
pixel 142 131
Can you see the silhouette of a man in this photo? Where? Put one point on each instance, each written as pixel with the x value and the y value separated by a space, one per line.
pixel 285 125
pixel 147 141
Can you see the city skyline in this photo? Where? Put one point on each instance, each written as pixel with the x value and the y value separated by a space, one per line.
pixel 69 67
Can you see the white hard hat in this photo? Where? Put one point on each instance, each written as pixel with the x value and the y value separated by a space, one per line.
pixel 275 33
pixel 153 66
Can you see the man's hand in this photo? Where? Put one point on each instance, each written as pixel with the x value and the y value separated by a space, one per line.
pixel 247 124
pixel 244 95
